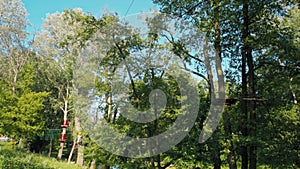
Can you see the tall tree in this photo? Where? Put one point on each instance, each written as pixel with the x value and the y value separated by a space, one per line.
pixel 13 40
pixel 246 28
pixel 207 16
pixel 275 72
pixel 57 44
pixel 21 105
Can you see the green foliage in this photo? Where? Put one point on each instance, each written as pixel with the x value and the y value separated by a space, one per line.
pixel 35 99
pixel 20 111
pixel 18 159
pixel 273 40
pixel 279 137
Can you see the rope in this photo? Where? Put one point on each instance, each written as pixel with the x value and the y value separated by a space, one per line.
pixel 129 7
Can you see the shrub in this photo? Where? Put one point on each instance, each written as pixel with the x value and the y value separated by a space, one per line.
pixel 18 159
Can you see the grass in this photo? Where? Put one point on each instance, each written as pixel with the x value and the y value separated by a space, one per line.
pixel 11 158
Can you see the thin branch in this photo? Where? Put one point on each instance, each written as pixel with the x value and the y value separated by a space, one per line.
pixel 128 71
pixel 189 11
pixel 167 165
pixel 172 41
pixel 195 73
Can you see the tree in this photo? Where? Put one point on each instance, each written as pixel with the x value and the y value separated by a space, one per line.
pixel 247 30
pixel 56 46
pixel 211 25
pixel 14 54
pixel 21 112
pixel 21 105
pixel 122 43
pixel 65 35
pixel 279 120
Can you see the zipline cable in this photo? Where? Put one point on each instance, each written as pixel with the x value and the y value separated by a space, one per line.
pixel 129 8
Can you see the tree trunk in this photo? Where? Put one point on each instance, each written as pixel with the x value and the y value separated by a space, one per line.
pixel 245 53
pixel 15 81
pixel 80 158
pixel 50 148
pixel 106 115
pixel 228 132
pixel 106 109
pixel 216 151
pixel 110 108
pixel 61 148
pixel 252 107
pixel 72 151
pixel 28 146
pixel 93 164
pixel 60 151
pixel 217 46
pixel 21 144
pixel 244 116
pixel 251 89
pixel 64 130
pixel 293 92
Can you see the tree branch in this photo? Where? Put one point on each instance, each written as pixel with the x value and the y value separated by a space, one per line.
pixel 128 71
pixel 195 73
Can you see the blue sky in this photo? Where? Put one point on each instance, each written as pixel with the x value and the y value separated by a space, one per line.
pixel 37 9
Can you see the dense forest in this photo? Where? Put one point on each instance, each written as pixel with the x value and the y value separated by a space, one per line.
pixel 237 108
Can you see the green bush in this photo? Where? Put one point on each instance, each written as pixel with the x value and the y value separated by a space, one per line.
pixel 18 159
pixel 12 159
pixel 17 163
